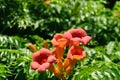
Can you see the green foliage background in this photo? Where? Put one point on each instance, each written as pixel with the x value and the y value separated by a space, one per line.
pixel 24 21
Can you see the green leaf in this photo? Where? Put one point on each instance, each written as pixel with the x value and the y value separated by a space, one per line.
pixel 110 47
pixel 100 70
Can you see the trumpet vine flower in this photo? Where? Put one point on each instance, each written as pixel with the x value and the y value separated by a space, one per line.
pixel 44 58
pixel 76 36
pixel 59 40
pixel 76 53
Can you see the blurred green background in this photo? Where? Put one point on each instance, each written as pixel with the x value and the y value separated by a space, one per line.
pixel 25 21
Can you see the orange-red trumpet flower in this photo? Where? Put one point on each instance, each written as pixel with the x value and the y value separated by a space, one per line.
pixel 42 60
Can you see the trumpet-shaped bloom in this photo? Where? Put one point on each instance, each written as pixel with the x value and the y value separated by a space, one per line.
pixel 76 36
pixel 76 53
pixel 42 60
pixel 59 40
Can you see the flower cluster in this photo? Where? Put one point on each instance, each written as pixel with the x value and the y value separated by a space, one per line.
pixel 47 59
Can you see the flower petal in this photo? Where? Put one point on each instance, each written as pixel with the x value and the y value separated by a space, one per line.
pixel 34 65
pixel 54 42
pixel 43 67
pixel 36 55
pixel 79 57
pixel 67 35
pixel 78 32
pixel 51 59
pixel 45 51
pixel 85 40
pixel 75 41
